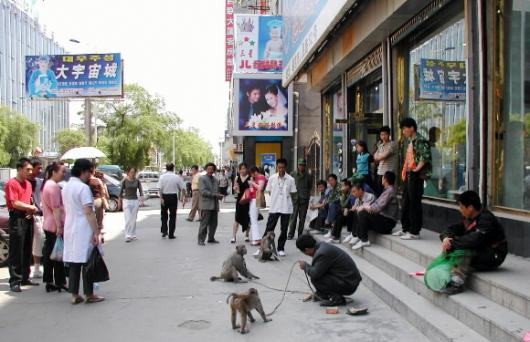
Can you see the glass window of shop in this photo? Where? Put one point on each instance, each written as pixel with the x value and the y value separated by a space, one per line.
pixel 436 99
pixel 512 124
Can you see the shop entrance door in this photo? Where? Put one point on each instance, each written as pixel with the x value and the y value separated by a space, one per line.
pixel 313 160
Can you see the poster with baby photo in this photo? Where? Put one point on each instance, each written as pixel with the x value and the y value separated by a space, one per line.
pixel 258 44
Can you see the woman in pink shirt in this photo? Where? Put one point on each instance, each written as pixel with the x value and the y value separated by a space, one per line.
pixel 53 211
pixel 256 183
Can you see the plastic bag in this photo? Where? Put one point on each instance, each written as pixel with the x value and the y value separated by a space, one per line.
pixel 57 251
pixel 438 272
pixel 96 270
pixel 245 199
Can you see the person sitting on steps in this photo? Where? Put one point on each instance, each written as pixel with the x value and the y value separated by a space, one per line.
pixel 346 202
pixel 317 224
pixel 332 271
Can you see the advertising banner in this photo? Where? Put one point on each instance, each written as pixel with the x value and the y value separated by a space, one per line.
pixel 268 163
pixel 83 75
pixel 261 106
pixel 259 44
pixel 442 80
pixel 229 39
pixel 307 22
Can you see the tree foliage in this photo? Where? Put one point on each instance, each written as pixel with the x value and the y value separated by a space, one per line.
pixel 68 139
pixel 17 136
pixel 190 148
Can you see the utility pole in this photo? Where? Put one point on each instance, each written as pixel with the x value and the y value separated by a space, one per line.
pixel 173 147
pixel 88 121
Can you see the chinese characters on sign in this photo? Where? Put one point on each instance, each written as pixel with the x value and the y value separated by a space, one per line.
pixel 259 44
pixel 442 80
pixel 229 44
pixel 85 75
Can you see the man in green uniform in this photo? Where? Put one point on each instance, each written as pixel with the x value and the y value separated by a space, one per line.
pixel 300 199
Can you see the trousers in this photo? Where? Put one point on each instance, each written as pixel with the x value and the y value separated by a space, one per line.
pixel 412 210
pixel 194 204
pixel 77 271
pixel 54 272
pixel 171 202
pixel 375 222
pixel 20 248
pixel 255 234
pixel 300 206
pixel 284 224
pixel 331 286
pixel 130 211
pixel 208 225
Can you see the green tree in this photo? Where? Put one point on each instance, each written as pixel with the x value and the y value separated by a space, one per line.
pixel 18 136
pixel 68 139
pixel 135 126
pixel 190 148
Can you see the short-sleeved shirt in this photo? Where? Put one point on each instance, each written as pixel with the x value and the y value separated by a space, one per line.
pixel 281 189
pixel 170 184
pixel 195 182
pixel 253 191
pixel 77 231
pixel 17 191
pixel 390 163
pixel 51 199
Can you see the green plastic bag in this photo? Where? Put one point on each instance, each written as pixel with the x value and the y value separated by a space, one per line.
pixel 438 273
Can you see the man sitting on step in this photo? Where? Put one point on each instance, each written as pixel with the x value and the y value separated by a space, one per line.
pixel 332 271
pixel 318 209
pixel 481 233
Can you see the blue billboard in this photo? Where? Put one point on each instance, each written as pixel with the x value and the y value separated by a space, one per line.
pixel 80 75
pixel 442 80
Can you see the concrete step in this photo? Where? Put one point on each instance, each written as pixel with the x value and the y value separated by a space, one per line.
pixel 432 321
pixel 508 286
pixel 491 320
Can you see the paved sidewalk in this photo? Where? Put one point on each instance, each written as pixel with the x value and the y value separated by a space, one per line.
pixel 160 291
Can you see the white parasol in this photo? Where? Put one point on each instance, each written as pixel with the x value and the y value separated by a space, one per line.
pixel 83 152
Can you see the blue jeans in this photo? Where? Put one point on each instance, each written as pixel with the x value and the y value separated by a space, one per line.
pixel 333 212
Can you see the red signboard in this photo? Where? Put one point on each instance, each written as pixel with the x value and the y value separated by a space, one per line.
pixel 229 33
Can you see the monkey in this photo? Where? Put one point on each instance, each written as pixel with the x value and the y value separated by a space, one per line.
pixel 244 303
pixel 235 265
pixel 268 248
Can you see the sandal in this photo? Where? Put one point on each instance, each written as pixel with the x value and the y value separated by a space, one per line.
pixel 94 299
pixel 247 239
pixel 77 300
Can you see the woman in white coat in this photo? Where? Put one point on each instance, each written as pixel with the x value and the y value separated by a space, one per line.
pixel 81 232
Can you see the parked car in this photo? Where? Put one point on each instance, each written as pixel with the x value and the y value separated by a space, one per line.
pixel 111 170
pixel 4 228
pixel 149 181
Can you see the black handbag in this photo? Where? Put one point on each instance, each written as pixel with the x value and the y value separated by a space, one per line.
pixel 96 270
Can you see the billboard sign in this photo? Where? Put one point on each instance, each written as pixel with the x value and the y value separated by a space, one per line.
pixel 307 22
pixel 229 39
pixel 262 106
pixel 82 75
pixel 442 80
pixel 259 44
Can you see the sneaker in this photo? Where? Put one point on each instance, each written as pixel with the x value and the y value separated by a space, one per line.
pixel 348 238
pixel 328 235
pixel 360 244
pixel 232 240
pixel 333 240
pixel 338 301
pixel 128 239
pixel 281 253
pixel 354 240
pixel 257 253
pixel 15 288
pixel 37 273
pixel 398 233
pixel 409 236
pixel 134 238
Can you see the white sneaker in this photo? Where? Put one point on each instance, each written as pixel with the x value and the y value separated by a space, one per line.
pixel 332 240
pixel 257 253
pixel 360 244
pixel 328 235
pixel 409 236
pixel 37 273
pixel 354 240
pixel 398 233
pixel 281 253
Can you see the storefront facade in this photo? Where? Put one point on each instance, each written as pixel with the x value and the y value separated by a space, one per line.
pixel 461 70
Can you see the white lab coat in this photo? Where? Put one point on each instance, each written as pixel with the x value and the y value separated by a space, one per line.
pixel 77 231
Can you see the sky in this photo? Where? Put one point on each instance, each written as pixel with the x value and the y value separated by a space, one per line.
pixel 174 49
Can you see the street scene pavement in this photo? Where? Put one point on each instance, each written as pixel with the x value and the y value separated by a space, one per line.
pixel 160 291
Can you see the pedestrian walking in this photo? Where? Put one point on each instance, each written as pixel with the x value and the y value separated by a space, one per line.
pixel 21 210
pixel 281 186
pixel 304 183
pixel 130 187
pixel 386 156
pixel 257 185
pixel 242 210
pixel 223 183
pixel 170 185
pixel 208 204
pixel 194 192
pixel 53 212
pixel 38 232
pixel 81 233
pixel 416 169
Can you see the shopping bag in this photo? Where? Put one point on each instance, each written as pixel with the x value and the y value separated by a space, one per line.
pixel 245 199
pixel 260 200
pixel 96 270
pixel 57 251
pixel 438 272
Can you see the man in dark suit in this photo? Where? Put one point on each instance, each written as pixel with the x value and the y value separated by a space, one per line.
pixel 208 204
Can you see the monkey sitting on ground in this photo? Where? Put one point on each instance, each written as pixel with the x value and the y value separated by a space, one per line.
pixel 268 250
pixel 244 303
pixel 235 265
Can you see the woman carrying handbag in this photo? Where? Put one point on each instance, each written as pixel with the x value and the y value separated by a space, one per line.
pixel 241 185
pixel 257 185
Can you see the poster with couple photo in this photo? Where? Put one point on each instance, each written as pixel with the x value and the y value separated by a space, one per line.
pixel 261 106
